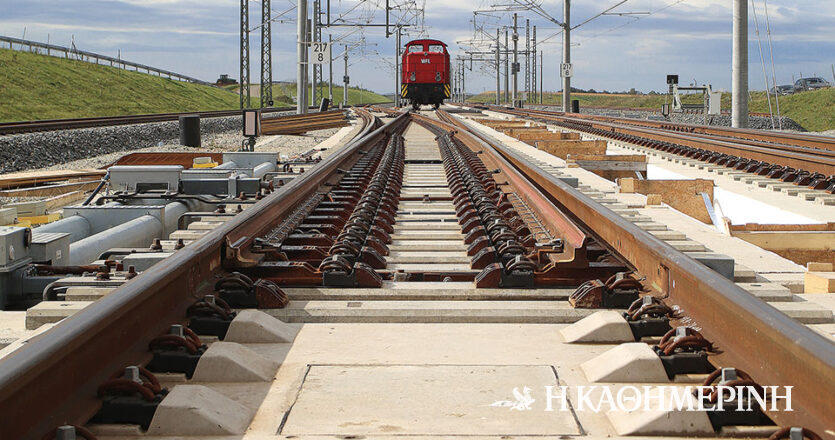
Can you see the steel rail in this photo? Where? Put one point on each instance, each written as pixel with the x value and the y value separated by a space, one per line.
pixel 52 380
pixel 75 123
pixel 797 139
pixel 820 161
pixel 751 334
pixel 20 127
pixel 822 147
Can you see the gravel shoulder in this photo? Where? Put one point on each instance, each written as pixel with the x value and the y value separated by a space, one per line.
pixel 213 143
pixel 99 146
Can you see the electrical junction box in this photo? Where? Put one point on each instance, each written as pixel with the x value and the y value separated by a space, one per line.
pixel 140 178
pixel 14 247
pixel 715 106
pixel 50 248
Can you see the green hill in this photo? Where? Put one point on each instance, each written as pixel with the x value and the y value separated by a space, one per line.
pixel 814 110
pixel 285 93
pixel 44 87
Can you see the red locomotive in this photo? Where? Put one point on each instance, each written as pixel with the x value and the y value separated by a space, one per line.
pixel 425 73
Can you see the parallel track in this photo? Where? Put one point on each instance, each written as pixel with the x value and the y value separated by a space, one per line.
pixel 793 156
pixel 7 128
pixel 53 379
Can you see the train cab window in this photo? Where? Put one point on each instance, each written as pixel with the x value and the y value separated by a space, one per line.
pixel 436 48
pixel 415 48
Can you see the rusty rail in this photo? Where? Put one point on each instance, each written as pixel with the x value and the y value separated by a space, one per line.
pixel 298 124
pixel 74 123
pixel 801 158
pixel 752 335
pixel 773 137
pixel 52 380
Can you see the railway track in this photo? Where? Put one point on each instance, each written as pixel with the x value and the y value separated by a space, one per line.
pixel 423 219
pixel 771 137
pixel 804 160
pixel 7 128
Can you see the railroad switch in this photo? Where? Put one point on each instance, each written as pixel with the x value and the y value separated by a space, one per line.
pixel 210 316
pixel 178 351
pixel 130 399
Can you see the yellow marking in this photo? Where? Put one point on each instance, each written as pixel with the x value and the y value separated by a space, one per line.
pixel 39 219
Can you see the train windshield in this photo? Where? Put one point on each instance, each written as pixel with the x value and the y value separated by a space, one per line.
pixel 415 48
pixel 436 48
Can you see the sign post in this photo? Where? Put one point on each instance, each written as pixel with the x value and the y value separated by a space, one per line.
pixel 566 70
pixel 321 53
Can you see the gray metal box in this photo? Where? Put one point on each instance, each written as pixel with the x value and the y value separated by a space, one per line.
pixel 50 247
pixel 247 159
pixel 129 177
pixel 13 247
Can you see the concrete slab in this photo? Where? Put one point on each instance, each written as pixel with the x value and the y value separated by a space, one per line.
pixel 429 267
pixel 257 327
pixel 425 291
pixel 720 263
pixel 805 312
pixel 196 410
pixel 632 362
pixel 687 246
pixel 430 312
pixel 48 312
pixel 85 293
pixel 676 423
pixel 428 257
pixel 607 326
pixel 233 362
pixel 440 400
pixel 770 292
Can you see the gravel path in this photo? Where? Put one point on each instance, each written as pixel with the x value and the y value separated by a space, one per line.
pixel 100 146
pixel 217 143
pixel 757 122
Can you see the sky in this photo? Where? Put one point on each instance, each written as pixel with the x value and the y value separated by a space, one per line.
pixel 691 38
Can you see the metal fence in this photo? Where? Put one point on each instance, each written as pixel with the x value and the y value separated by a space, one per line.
pixel 81 55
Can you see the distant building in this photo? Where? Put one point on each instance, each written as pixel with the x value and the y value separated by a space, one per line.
pixel 224 80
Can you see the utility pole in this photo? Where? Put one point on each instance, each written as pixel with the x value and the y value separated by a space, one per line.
pixel 301 49
pixel 506 68
pixel 515 67
pixel 314 87
pixel 566 55
pixel 330 72
pixel 397 68
pixel 498 67
pixel 463 82
pixel 541 75
pixel 244 88
pixel 345 80
pixel 739 83
pixel 527 92
pixel 266 56
pixel 532 54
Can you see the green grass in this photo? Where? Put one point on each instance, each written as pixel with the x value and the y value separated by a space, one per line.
pixel 815 110
pixel 43 87
pixel 285 93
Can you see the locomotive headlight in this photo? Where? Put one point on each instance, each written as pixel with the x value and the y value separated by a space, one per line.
pixel 412 76
pixel 438 76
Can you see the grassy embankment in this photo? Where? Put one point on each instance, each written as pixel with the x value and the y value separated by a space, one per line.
pixel 813 110
pixel 44 87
